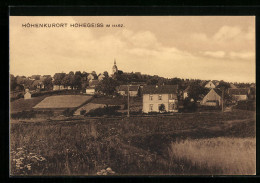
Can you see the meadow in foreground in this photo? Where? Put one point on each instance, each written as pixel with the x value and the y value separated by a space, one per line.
pixel 136 146
pixel 222 155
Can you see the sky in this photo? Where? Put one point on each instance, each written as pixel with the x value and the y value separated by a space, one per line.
pixel 198 47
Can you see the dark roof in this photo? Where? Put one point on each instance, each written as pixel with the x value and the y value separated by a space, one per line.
pixel 186 90
pixel 131 88
pixel 218 91
pixel 238 91
pixel 163 89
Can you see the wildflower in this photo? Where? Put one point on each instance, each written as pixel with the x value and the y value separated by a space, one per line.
pixel 109 169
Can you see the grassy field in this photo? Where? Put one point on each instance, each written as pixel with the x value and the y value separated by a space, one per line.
pixel 133 146
pixel 230 156
pixel 21 104
pixel 63 101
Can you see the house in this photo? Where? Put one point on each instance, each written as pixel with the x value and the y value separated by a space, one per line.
pixel 27 94
pixel 185 92
pixel 211 84
pixel 133 90
pixel 252 93
pixel 91 89
pixel 38 84
pixel 61 87
pixel 156 96
pixel 101 77
pixel 232 86
pixel 93 83
pixel 239 93
pixel 213 98
pixel 90 77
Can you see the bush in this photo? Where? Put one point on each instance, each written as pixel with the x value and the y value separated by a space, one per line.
pixel 68 112
pixel 189 106
pixel 246 105
pixel 82 112
pixel 31 114
pixel 108 110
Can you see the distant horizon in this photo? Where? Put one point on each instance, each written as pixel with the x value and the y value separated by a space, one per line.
pixel 141 74
pixel 186 47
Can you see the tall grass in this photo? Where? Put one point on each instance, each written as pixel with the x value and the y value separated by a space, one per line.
pixel 229 156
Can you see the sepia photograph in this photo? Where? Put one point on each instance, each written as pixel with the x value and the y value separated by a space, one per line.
pixel 132 95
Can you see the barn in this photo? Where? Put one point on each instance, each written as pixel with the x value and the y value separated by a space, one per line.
pixel 213 98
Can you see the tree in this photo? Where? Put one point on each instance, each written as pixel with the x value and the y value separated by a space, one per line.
pixel 76 81
pixel 106 74
pixel 47 83
pixel 13 83
pixel 196 91
pixel 66 80
pixel 152 81
pixel 58 78
pixel 223 85
pixel 162 108
pixel 107 86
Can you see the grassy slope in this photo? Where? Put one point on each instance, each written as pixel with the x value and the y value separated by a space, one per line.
pixel 21 104
pixel 128 146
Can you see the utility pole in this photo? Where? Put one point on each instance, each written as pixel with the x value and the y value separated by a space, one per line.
pixel 222 99
pixel 128 105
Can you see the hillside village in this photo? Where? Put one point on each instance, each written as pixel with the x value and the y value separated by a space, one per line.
pixel 124 93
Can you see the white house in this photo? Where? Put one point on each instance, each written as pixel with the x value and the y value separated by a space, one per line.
pixel 156 96
pixel 239 93
pixel 90 90
pixel 27 94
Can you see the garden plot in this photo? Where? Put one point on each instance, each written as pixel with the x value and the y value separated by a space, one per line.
pixel 62 101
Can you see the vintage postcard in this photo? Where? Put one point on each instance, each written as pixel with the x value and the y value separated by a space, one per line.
pixel 132 95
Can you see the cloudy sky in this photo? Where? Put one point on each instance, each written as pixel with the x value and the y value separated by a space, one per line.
pixel 202 47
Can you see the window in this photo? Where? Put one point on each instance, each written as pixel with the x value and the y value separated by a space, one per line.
pixel 171 106
pixel 159 97
pixel 151 97
pixel 151 107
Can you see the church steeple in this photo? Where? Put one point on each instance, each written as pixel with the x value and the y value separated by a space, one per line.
pixel 114 68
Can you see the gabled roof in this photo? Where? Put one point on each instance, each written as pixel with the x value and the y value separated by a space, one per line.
pixel 215 82
pixel 93 82
pixel 131 88
pixel 238 91
pixel 186 90
pixel 232 86
pixel 218 91
pixel 163 89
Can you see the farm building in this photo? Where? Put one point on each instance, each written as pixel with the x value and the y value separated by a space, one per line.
pixel 101 77
pixel 185 92
pixel 91 77
pixel 133 90
pixel 232 86
pixel 27 95
pixel 211 84
pixel 213 98
pixel 61 87
pixel 239 93
pixel 156 96
pixel 91 89
pixel 60 103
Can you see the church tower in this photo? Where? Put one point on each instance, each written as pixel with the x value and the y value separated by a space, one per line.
pixel 114 68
